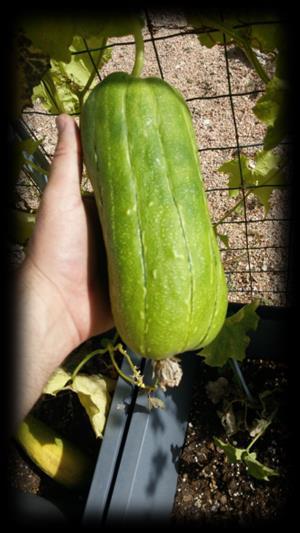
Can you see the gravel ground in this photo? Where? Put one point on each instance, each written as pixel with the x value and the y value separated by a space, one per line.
pixel 198 71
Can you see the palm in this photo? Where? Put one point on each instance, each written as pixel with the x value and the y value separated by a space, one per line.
pixel 67 249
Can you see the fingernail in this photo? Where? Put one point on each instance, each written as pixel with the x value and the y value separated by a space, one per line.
pixel 60 123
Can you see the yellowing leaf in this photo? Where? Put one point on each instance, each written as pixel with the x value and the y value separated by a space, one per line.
pixel 156 403
pixel 93 394
pixel 57 381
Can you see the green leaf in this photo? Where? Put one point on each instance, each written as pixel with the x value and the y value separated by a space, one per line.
pixel 234 454
pixel 23 149
pixel 257 469
pixel 224 239
pixel 29 66
pixel 60 89
pixel 265 169
pixel 233 169
pixel 237 27
pixel 254 467
pixel 246 36
pixel 271 109
pixel 232 341
pixel 266 37
pixel 209 21
pixel 53 35
pixel 116 25
pixel 267 172
pixel 21 226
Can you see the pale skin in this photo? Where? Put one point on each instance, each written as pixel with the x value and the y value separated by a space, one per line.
pixel 61 294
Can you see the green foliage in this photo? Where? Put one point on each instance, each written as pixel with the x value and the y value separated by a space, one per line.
pixel 60 90
pixel 223 238
pixel 232 341
pixel 240 29
pixel 237 28
pixel 271 109
pixel 54 35
pixel 22 152
pixel 29 66
pixel 255 468
pixel 263 174
pixel 21 226
pixel 44 39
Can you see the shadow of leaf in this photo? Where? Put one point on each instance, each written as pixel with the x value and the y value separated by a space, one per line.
pixel 159 461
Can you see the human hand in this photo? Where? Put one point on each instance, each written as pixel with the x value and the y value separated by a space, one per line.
pixel 62 287
pixel 66 248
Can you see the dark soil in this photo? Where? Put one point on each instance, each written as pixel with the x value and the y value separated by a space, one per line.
pixel 213 492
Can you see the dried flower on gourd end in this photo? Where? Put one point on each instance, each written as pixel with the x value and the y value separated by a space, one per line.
pixel 167 372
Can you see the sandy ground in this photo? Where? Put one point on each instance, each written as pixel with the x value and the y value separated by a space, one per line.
pixel 200 72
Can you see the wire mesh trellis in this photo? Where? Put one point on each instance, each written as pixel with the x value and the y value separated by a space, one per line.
pixel 257 261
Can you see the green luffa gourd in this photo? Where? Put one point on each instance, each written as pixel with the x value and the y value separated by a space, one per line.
pixel 166 280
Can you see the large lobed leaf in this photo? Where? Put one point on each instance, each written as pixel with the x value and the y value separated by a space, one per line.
pixel 93 391
pixel 271 109
pixel 255 468
pixel 232 341
pixel 41 39
pixel 70 78
pixel 263 174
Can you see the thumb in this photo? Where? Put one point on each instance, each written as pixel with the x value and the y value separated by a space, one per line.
pixel 66 166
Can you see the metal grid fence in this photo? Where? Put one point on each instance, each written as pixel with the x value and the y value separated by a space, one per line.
pixel 278 288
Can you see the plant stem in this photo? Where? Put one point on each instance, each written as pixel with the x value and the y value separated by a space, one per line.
pixel 232 209
pixel 138 378
pixel 52 91
pixel 251 56
pixel 93 73
pixel 241 379
pixel 118 369
pixel 86 359
pixel 258 435
pixel 139 52
pixel 120 348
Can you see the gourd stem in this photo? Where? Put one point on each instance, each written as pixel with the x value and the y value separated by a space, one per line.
pixel 139 52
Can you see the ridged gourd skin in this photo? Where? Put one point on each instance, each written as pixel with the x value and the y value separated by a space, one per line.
pixel 166 280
